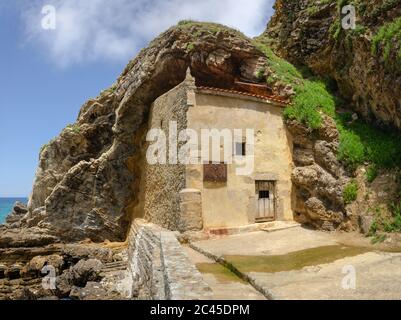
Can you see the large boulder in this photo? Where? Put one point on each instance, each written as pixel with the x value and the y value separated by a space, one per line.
pixel 78 276
pixel 73 253
pixel 35 266
pixel 85 271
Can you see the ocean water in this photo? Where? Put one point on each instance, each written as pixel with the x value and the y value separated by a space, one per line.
pixel 6 205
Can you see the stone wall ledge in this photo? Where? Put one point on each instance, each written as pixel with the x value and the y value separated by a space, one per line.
pixel 160 268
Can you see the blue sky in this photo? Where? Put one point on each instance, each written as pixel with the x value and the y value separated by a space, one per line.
pixel 46 75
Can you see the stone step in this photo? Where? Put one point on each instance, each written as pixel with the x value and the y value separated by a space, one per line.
pixel 115 266
pixel 264 226
pixel 280 225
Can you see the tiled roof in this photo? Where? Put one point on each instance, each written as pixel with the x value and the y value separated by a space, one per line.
pixel 263 97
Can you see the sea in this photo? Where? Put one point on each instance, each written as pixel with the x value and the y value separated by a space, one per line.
pixel 6 205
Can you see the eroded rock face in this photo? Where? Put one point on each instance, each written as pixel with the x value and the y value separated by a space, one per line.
pixel 318 177
pixel 302 32
pixel 89 175
pixel 375 199
pixel 92 268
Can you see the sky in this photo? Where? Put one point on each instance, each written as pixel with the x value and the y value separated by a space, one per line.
pixel 50 64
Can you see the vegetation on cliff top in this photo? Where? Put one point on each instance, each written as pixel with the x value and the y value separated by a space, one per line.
pixel 360 142
pixel 311 98
pixel 386 42
pixel 208 27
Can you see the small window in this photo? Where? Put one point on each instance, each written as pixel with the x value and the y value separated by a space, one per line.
pixel 264 195
pixel 240 149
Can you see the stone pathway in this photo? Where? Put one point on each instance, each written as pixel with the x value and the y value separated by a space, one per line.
pixel 224 284
pixel 299 263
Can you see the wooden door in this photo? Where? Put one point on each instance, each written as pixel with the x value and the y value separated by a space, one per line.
pixel 266 201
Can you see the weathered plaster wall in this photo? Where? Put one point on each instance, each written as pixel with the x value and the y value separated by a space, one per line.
pixel 159 266
pixel 234 203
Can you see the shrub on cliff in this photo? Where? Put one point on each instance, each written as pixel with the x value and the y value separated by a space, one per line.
pixel 361 142
pixel 312 96
pixel 387 43
pixel 350 192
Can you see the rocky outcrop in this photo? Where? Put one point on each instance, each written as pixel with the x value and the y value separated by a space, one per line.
pixel 78 276
pixel 78 271
pixel 318 178
pixel 20 237
pixel 88 177
pixel 19 211
pixel 309 33
pixel 34 267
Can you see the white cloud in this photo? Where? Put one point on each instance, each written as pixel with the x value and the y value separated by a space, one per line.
pixel 93 30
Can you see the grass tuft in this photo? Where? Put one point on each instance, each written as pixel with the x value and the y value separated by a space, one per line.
pixel 311 97
pixel 350 192
pixel 371 173
pixel 388 41
pixel 361 142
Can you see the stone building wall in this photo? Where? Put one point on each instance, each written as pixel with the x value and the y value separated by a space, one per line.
pixel 191 210
pixel 159 200
pixel 159 266
pixel 233 203
pixel 164 194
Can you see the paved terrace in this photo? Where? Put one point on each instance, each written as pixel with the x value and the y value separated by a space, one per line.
pixel 298 263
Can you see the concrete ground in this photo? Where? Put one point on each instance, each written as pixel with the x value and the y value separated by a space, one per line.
pixel 224 284
pixel 298 263
pixel 378 276
pixel 267 243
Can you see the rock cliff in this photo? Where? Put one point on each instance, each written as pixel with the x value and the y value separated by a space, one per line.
pixel 365 62
pixel 364 65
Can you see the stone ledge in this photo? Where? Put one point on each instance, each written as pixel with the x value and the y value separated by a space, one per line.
pixel 183 280
pixel 160 268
